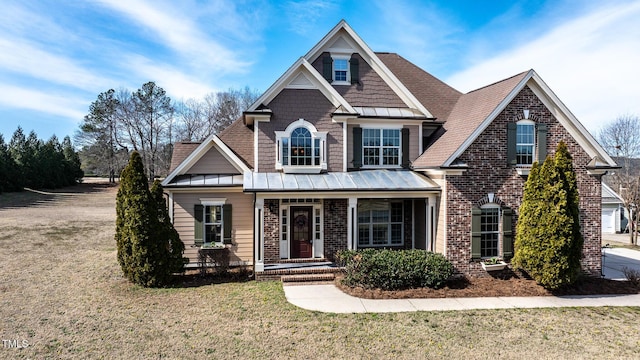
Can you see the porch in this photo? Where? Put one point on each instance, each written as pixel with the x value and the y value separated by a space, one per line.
pixel 317 215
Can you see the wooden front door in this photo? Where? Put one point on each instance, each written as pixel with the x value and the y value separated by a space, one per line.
pixel 301 232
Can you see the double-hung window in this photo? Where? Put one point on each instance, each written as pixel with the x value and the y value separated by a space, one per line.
pixel 489 231
pixel 380 223
pixel 525 142
pixel 213 224
pixel 340 69
pixel 380 147
pixel 301 148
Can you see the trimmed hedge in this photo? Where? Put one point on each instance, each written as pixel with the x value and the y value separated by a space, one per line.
pixel 394 269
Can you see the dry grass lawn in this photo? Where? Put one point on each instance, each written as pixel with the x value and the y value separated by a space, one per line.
pixel 62 294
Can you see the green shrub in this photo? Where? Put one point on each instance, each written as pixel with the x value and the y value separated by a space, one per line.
pixel 394 269
pixel 149 249
pixel 548 238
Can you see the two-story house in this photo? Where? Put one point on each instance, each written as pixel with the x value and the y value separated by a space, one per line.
pixel 354 149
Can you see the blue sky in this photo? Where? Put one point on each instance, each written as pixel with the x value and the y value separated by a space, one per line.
pixel 57 56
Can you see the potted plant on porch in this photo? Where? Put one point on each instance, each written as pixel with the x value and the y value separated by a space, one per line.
pixel 493 264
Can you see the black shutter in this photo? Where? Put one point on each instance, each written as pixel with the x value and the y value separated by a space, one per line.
pixel 476 219
pixel 198 229
pixel 542 142
pixel 357 147
pixel 511 143
pixel 507 233
pixel 327 68
pixel 226 223
pixel 405 148
pixel 354 65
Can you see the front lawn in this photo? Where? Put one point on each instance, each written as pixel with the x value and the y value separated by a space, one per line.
pixel 62 292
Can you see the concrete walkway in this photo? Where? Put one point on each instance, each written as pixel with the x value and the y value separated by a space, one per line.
pixel 328 298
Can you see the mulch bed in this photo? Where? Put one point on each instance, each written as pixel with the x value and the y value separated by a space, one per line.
pixel 491 287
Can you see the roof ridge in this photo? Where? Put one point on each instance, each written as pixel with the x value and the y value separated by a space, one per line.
pixel 498 82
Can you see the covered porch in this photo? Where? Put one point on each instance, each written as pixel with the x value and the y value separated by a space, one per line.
pixel 310 217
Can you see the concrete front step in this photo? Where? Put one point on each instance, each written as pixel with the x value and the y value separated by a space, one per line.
pixel 307 278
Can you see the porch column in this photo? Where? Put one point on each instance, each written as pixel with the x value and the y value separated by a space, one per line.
pixel 430 212
pixel 352 216
pixel 258 235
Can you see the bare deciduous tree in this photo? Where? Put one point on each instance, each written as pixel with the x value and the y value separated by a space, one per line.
pixel 621 138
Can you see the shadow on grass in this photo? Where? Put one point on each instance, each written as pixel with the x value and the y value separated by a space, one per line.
pixel 193 279
pixel 34 197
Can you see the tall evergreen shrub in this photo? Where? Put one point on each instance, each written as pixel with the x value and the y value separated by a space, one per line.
pixel 548 240
pixel 167 233
pixel 144 248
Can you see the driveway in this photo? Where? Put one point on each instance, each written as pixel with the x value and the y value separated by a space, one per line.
pixel 614 260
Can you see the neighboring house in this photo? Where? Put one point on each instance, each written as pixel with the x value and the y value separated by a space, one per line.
pixel 355 149
pixel 614 220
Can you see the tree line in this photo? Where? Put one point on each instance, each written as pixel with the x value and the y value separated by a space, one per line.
pixel 149 122
pixel 27 161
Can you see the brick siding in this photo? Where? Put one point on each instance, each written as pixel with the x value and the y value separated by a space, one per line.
pixel 489 173
pixel 271 231
pixel 335 227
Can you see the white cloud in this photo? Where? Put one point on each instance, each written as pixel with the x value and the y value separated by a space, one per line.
pixel 304 15
pixel 176 83
pixel 45 102
pixel 178 31
pixel 591 62
pixel 27 59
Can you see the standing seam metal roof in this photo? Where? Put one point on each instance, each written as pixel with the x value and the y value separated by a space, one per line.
pixel 366 180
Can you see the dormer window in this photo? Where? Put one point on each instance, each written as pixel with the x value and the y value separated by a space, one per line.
pixel 340 69
pixel 301 148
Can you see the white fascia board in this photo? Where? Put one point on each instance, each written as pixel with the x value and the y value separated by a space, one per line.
pixel 503 104
pixel 212 141
pixel 304 67
pixel 615 194
pixel 568 120
pixel 555 106
pixel 372 59
pixel 277 86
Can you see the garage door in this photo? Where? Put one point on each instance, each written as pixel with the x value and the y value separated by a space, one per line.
pixel 608 221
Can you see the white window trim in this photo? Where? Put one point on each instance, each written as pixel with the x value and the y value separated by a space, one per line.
pixel 346 57
pixel 494 206
pixel 212 202
pixel 315 134
pixel 535 150
pixel 382 127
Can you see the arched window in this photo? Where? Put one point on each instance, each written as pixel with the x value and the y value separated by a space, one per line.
pixel 301 148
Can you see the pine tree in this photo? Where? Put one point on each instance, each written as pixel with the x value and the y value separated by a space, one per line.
pixel 167 233
pixel 548 239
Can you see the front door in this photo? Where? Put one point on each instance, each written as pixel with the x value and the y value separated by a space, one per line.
pixel 301 234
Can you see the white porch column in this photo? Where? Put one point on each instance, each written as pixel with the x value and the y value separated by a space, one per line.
pixel 258 235
pixel 430 210
pixel 352 216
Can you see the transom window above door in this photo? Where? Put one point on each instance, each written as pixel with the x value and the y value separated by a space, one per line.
pixel 301 148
